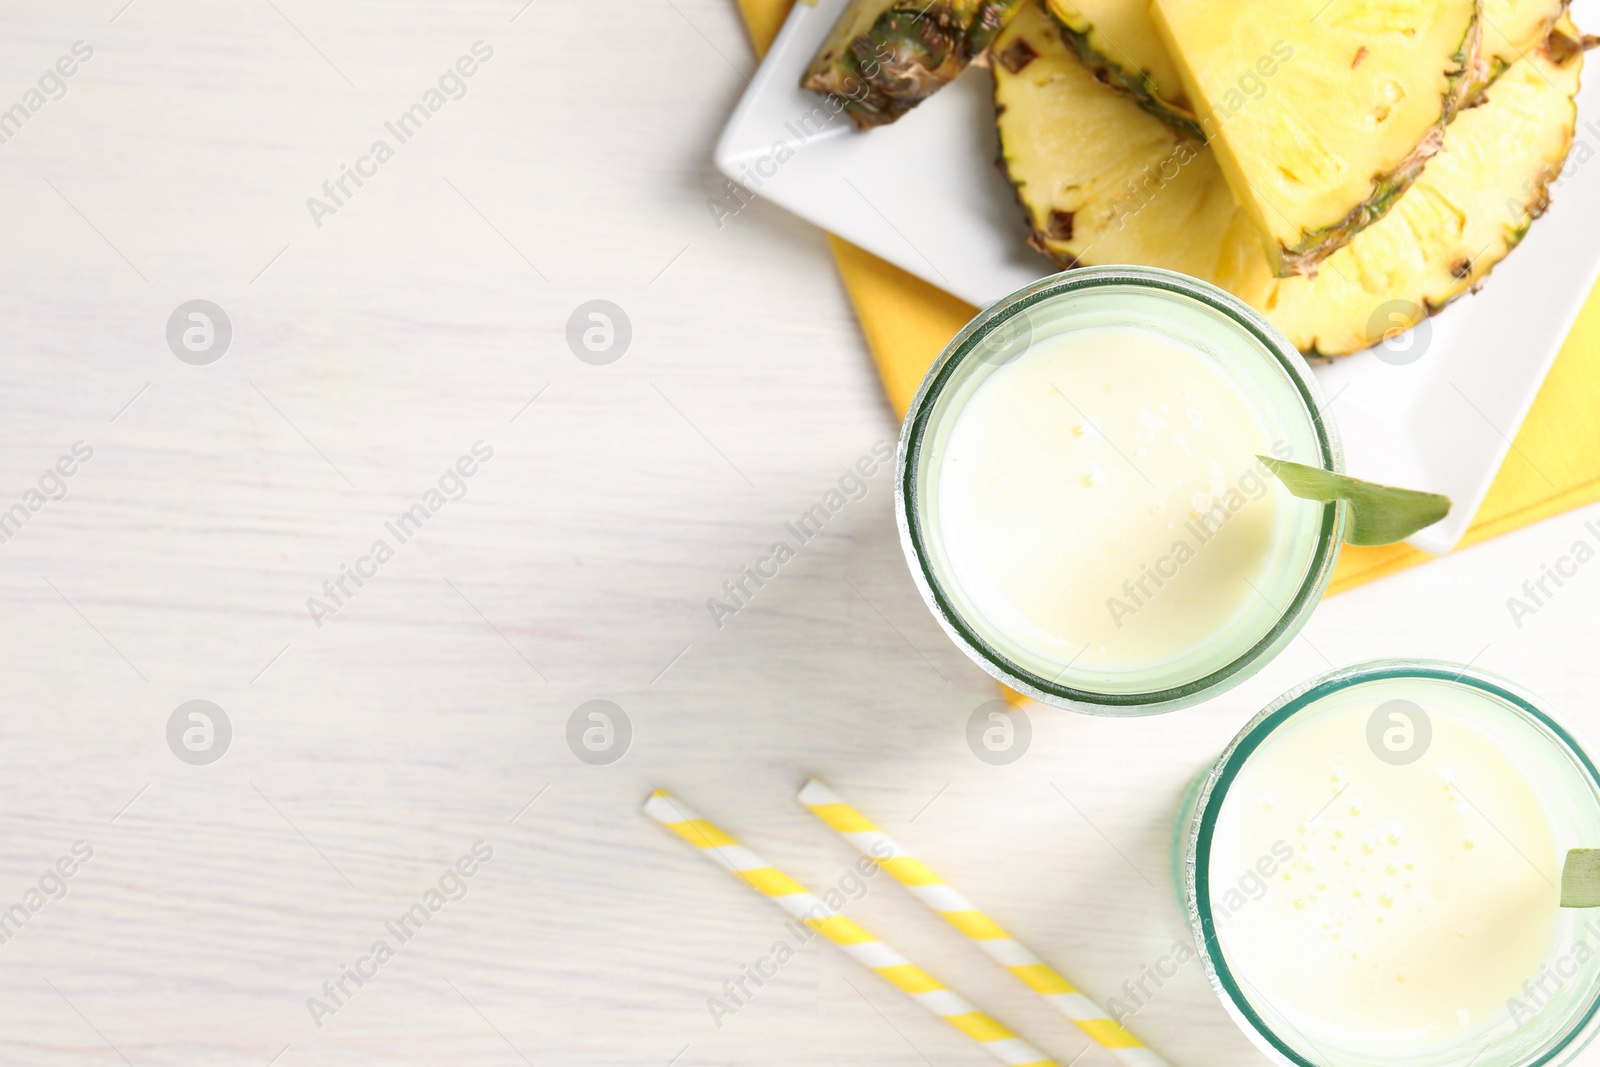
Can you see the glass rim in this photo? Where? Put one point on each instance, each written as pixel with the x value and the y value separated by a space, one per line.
pixel 1291 618
pixel 1198 837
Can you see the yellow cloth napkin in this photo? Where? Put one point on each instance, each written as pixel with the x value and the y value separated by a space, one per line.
pixel 1554 464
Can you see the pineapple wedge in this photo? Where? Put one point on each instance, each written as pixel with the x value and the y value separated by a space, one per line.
pixel 1322 152
pixel 1466 213
pixel 1101 181
pixel 884 57
pixel 1118 42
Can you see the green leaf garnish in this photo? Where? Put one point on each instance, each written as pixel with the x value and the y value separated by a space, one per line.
pixel 1580 879
pixel 1379 514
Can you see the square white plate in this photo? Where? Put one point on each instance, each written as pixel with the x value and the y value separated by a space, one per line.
pixel 925 195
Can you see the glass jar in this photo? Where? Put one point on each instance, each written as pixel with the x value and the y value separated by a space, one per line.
pixel 1500 976
pixel 1258 369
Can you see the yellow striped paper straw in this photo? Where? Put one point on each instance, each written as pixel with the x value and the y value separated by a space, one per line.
pixel 978 927
pixel 865 949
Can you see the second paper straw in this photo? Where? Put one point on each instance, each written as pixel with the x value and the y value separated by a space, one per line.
pixel 978 927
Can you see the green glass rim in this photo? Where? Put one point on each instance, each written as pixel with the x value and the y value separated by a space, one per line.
pixel 1202 830
pixel 913 538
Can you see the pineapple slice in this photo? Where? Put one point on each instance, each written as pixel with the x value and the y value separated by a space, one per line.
pixel 1117 40
pixel 1085 160
pixel 1101 181
pixel 1466 213
pixel 884 57
pixel 1320 153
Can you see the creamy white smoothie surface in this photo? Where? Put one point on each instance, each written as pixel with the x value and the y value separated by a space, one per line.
pixel 1418 898
pixel 1100 500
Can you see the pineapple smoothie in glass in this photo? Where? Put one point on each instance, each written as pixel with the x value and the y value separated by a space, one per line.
pixel 1081 499
pixel 1371 873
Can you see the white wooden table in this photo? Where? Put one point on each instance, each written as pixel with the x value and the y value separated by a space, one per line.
pixel 428 313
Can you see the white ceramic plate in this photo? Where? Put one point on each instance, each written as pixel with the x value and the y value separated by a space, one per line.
pixel 925 195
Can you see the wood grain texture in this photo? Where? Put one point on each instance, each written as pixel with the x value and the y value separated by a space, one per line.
pixel 369 753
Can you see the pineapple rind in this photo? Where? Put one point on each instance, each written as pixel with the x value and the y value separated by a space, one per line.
pixel 884 57
pixel 1111 64
pixel 986 23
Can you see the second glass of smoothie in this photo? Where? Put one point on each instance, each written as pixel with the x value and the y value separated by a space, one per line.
pixel 1372 874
